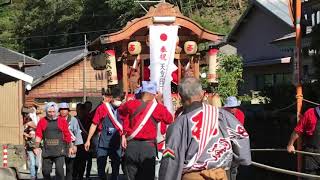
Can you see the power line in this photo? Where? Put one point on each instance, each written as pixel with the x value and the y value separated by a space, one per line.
pixel 54 35
pixel 52 47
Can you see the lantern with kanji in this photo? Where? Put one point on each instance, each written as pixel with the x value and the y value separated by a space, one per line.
pixel 134 48
pixel 190 47
pixel 213 66
pixel 111 68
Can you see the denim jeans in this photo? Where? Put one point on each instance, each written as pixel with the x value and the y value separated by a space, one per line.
pixel 33 163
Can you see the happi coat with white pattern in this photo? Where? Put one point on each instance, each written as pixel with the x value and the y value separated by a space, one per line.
pixel 203 137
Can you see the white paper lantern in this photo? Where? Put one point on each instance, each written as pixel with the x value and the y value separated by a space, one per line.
pixel 213 66
pixel 190 47
pixel 134 48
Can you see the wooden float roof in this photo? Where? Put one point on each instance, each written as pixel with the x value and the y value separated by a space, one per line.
pixel 142 23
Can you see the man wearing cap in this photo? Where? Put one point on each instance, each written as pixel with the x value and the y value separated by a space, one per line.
pixel 140 118
pixel 231 105
pixel 161 131
pixel 75 136
pixel 109 129
pixel 54 132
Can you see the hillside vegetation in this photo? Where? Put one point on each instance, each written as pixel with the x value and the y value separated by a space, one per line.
pixel 36 26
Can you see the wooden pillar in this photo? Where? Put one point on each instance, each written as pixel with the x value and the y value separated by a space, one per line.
pixel 125 68
pixel 191 64
pixel 179 70
pixel 142 68
pixel 196 67
pixel 299 91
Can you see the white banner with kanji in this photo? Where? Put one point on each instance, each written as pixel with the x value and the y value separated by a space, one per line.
pixel 162 50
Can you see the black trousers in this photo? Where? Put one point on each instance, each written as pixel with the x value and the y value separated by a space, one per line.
pixel 89 164
pixel 102 162
pixel 69 167
pixel 311 164
pixel 140 160
pixel 80 163
pixel 47 163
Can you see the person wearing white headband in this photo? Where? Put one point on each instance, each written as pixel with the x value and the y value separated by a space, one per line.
pixel 54 132
pixel 140 118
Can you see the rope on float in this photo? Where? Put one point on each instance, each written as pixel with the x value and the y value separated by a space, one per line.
pixel 311 102
pixel 284 150
pixel 284 171
pixel 289 106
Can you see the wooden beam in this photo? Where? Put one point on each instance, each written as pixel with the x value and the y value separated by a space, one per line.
pixel 64 94
pixel 147 56
pixel 196 67
pixel 142 69
pixel 145 21
pixel 181 38
pixel 125 69
pixel 179 71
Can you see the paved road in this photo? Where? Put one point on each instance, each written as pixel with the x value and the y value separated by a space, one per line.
pixel 24 174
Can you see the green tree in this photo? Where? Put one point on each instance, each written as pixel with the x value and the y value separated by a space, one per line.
pixel 36 26
pixel 40 18
pixel 8 12
pixel 229 76
pixel 126 10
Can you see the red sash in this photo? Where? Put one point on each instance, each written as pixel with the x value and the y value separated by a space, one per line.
pixel 143 119
pixel 113 119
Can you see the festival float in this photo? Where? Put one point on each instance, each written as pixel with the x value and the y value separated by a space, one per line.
pixel 161 46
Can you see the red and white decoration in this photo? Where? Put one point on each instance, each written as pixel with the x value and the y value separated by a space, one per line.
pixel 5 156
pixel 190 47
pixel 134 48
pixel 213 65
pixel 113 118
pixel 163 40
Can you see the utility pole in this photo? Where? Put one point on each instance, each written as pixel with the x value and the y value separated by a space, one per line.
pixel 84 68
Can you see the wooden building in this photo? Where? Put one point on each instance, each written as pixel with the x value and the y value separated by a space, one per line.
pixel 65 76
pixel 12 88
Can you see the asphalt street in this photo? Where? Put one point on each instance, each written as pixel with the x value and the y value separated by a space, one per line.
pixel 24 174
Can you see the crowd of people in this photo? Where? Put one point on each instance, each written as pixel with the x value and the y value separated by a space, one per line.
pixel 200 141
pixel 46 139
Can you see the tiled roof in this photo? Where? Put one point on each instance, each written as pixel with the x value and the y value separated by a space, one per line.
pixel 54 62
pixel 12 58
pixel 279 8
